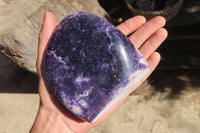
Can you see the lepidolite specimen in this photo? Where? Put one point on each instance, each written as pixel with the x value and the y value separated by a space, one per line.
pixel 90 65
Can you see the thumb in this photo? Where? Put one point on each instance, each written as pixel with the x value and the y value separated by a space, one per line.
pixel 49 24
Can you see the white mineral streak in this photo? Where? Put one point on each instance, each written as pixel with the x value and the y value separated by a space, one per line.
pixel 59 59
pixel 80 79
pixel 143 61
pixel 83 103
pixel 76 109
pixel 85 93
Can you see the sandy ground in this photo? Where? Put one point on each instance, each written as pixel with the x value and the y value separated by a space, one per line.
pixel 17 112
pixel 168 102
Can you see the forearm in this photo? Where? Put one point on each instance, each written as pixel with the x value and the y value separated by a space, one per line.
pixel 48 122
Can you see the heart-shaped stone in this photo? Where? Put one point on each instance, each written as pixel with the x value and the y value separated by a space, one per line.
pixel 90 65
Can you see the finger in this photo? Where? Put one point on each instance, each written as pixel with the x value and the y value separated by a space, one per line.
pixel 153 61
pixel 49 24
pixel 153 42
pixel 142 34
pixel 131 24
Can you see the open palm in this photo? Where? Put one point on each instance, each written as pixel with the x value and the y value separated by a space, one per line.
pixel 146 36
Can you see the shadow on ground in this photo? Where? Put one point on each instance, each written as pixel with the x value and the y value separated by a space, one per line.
pixel 15 79
pixel 175 81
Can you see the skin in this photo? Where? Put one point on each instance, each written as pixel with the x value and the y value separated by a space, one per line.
pixel 52 116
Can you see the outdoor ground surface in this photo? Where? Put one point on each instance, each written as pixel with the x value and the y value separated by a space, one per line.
pixel 169 102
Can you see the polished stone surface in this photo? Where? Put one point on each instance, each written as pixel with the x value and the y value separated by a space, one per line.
pixel 91 65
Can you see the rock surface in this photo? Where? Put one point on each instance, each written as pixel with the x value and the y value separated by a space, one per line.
pixel 90 65
pixel 21 21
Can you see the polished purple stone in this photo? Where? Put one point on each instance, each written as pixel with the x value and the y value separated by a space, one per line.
pixel 90 65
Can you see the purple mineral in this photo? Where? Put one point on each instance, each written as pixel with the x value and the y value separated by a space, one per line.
pixel 90 65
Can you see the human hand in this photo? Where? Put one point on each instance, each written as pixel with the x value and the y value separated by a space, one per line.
pixel 52 116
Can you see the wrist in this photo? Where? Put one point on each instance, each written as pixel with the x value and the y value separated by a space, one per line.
pixel 48 121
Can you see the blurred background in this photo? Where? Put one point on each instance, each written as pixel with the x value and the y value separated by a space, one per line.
pixel 169 101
